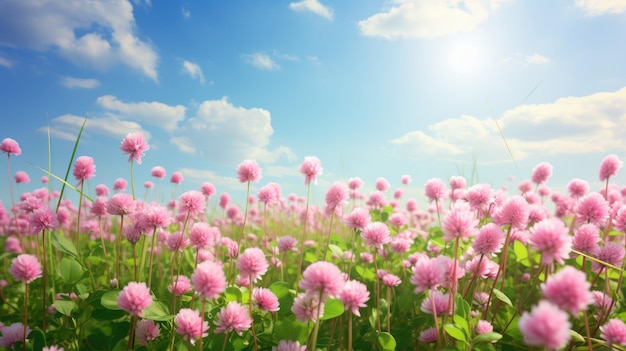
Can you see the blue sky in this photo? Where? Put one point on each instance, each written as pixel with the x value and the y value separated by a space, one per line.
pixel 372 88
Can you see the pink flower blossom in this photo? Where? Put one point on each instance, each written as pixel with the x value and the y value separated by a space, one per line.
pixel 551 238
pixel 514 212
pixel 119 184
pixel 592 208
pixel 489 240
pixel 428 273
pixel 322 278
pixel 614 332
pixel 546 326
pixel 376 234
pixel 21 177
pixel 176 241
pixel 435 189
pixel 459 222
pixel 541 173
pixel 154 216
pixel 207 189
pixel 611 252
pixel 25 268
pixel 43 218
pixel 568 289
pixel 120 204
pixel 577 188
pixel 391 280
pixel 307 308
pixel 147 330
pixel 405 179
pixel 135 146
pixel 311 167
pixel 84 168
pixel 382 184
pixel 252 263
pixel 249 171
pixel 336 195
pixel 158 172
pixel 586 238
pixel 10 147
pixel 429 335
pixel 288 345
pixel 232 248
pixel 353 296
pixel 13 333
pixel 479 197
pixel 203 236
pixel 286 243
pixel 233 317
pixel 483 326
pixel 619 221
pixel 355 183
pixel 209 280
pixel 176 178
pixel 190 325
pixel 457 182
pixel 180 285
pixel 265 300
pixel 441 302
pixel 609 167
pixel 224 200
pixel 134 298
pixel 192 203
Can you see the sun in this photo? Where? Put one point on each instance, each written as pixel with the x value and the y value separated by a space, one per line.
pixel 465 56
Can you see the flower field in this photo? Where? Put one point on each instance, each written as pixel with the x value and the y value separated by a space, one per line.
pixel 478 269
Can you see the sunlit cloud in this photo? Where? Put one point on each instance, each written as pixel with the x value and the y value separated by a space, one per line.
pixel 428 19
pixel 261 61
pixel 537 59
pixel 71 82
pixel 313 6
pixel 193 70
pixel 85 33
pixel 154 112
pixel 601 7
pixel 68 126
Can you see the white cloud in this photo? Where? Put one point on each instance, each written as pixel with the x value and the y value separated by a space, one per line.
pixel 586 124
pixel 261 61
pixel 312 6
pixel 186 12
pixel 67 127
pixel 193 70
pixel 155 113
pixel 224 132
pixel 5 62
pixel 287 57
pixel 602 7
pixel 428 19
pixel 537 59
pixel 88 33
pixel 71 82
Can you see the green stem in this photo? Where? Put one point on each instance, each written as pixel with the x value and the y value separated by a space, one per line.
pixel 151 258
pixel 132 183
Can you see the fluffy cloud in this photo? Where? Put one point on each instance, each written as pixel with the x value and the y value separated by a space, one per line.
pixel 71 82
pixel 586 124
pixel 155 113
pixel 313 6
pixel 193 70
pixel 67 127
pixel 224 132
pixel 91 33
pixel 601 7
pixel 5 62
pixel 537 59
pixel 261 61
pixel 428 19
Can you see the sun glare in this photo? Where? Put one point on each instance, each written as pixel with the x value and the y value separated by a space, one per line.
pixel 465 56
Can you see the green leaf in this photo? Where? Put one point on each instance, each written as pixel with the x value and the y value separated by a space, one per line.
pixel 63 244
pixel 487 338
pixel 386 342
pixel 157 311
pixel 310 257
pixel 521 253
pixel 461 323
pixel 280 289
pixel 500 295
pixel 109 300
pixel 365 273
pixel 64 307
pixel 232 294
pixel 336 250
pixel 38 338
pixel 576 336
pixel 71 270
pixel 332 309
pixel 455 332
